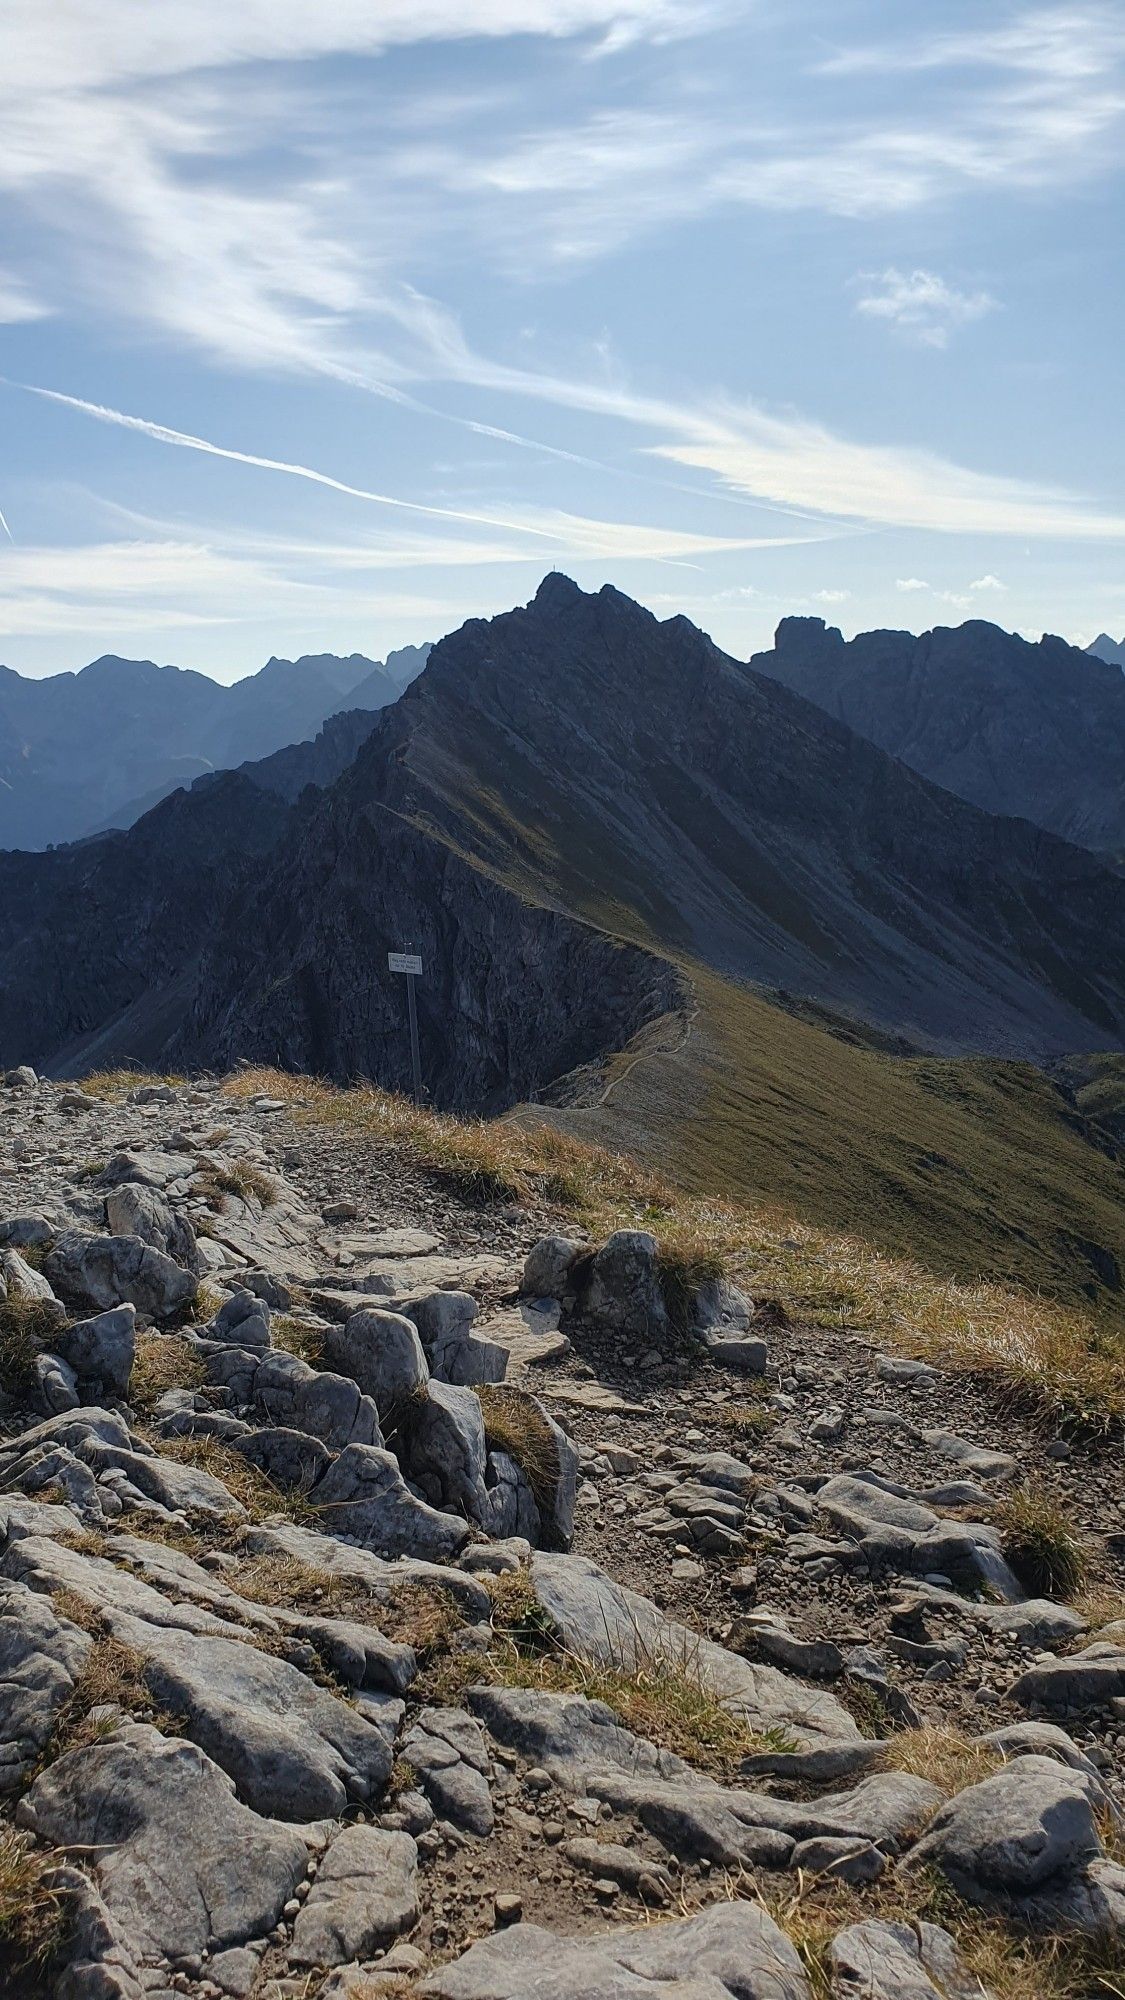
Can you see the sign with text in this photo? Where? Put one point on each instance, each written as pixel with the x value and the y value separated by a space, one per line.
pixel 403 961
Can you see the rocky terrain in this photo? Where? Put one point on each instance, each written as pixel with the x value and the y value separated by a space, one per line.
pixel 1036 731
pixel 405 1596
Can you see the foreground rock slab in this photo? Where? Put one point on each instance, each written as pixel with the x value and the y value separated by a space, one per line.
pixel 365 1894
pixel 733 1951
pixel 181 1865
pixel 603 1621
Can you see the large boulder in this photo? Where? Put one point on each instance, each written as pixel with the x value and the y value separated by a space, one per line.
pixel 363 1495
pixel 135 1209
pixel 330 1407
pixel 549 1267
pixel 622 1290
pixel 444 1449
pixel 101 1351
pixel 294 1751
pixel 382 1353
pixel 1030 1823
pixel 181 1865
pixel 97 1273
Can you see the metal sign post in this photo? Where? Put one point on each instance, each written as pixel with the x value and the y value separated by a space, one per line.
pixel 409 963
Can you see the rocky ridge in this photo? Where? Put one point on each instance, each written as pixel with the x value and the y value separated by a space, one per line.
pixel 401 1597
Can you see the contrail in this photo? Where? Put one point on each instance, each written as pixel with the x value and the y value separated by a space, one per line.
pixel 7 530
pixel 164 435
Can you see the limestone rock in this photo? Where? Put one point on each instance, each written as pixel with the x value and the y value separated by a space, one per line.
pixel 179 1862
pixel 1014 1831
pixel 731 1951
pixel 382 1353
pixel 363 1495
pixel 364 1896
pixel 41 1656
pixel 603 1621
pixel 888 1961
pixel 100 1272
pixel 135 1209
pixel 294 1750
pixel 326 1406
pixel 447 1750
pixel 548 1267
pixel 101 1351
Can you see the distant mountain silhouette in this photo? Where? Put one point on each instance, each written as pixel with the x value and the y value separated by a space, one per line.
pixel 80 752
pixel 1112 651
pixel 1033 731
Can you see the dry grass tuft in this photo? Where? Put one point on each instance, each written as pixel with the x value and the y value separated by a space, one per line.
pixel 1048 1557
pixel 244 1481
pixel 114 1085
pixel 162 1362
pixel 943 1755
pixel 33 1915
pixel 745 1420
pixel 301 1586
pixel 237 1177
pixel 1007 1963
pixel 27 1326
pixel 660 1696
pixel 1100 1605
pixel 423 1617
pixel 298 1337
pixel 513 1422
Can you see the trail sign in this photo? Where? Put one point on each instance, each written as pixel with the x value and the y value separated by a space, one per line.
pixel 411 964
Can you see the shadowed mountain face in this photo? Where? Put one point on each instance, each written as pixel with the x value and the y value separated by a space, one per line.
pixel 1034 731
pixel 575 755
pixel 81 752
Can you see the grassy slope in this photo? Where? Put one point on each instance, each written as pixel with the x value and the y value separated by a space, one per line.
pixel 975 1167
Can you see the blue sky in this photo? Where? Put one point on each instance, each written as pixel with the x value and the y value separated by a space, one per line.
pixel 325 326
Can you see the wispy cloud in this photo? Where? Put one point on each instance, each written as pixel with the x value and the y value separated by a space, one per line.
pixel 579 534
pixel 920 304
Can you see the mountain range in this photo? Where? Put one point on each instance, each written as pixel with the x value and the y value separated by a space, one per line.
pixel 80 752
pixel 1035 731
pixel 758 948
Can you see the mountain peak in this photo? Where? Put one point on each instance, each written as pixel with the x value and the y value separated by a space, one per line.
pixel 556 592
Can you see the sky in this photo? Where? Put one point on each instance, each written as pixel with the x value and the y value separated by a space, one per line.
pixel 324 327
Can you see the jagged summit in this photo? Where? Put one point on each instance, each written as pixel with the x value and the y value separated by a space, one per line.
pixel 1030 729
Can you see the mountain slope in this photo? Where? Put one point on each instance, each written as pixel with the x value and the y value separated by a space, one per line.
pixel 1036 731
pixel 80 752
pixel 574 770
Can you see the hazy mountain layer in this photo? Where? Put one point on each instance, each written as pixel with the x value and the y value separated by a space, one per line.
pixel 81 752
pixel 1036 731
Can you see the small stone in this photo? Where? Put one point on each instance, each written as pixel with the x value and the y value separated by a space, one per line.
pixel 507 1909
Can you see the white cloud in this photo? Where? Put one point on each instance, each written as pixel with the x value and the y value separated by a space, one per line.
pixel 921 304
pixel 560 530
pixel 16 302
pixel 831 596
pixel 912 583
pixel 989 582
pixel 67 46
